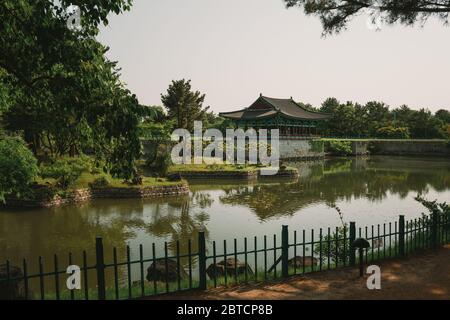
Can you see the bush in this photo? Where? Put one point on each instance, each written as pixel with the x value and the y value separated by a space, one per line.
pixel 162 164
pixel 316 146
pixel 101 182
pixel 339 148
pixel 441 210
pixel 335 244
pixel 18 167
pixel 393 133
pixel 65 171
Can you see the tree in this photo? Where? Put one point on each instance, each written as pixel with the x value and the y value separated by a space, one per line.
pixel 443 115
pixel 184 105
pixel 18 167
pixel 377 115
pixel 63 94
pixel 342 118
pixel 393 133
pixel 422 123
pixel 335 14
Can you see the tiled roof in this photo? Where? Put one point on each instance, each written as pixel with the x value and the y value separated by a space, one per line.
pixel 265 107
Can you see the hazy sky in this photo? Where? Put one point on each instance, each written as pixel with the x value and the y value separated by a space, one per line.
pixel 235 49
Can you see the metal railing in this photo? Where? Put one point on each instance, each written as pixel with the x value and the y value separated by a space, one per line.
pixel 260 259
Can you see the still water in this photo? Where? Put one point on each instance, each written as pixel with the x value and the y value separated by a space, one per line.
pixel 368 191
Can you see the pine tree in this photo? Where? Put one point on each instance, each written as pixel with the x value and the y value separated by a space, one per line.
pixel 184 105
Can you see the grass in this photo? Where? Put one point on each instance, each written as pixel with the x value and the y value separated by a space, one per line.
pixel 123 292
pixel 87 178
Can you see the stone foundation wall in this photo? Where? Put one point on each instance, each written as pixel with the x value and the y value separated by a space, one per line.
pixel 220 175
pixel 360 148
pixel 298 149
pixel 83 195
pixel 411 147
pixel 400 147
pixel 288 173
pixel 146 192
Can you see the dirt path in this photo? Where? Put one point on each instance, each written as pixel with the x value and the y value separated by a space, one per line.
pixel 421 276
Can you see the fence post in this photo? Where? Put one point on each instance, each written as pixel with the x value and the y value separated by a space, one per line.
pixel 434 230
pixel 352 239
pixel 284 251
pixel 401 235
pixel 202 260
pixel 100 267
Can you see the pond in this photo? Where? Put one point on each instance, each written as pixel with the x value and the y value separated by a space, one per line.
pixel 368 191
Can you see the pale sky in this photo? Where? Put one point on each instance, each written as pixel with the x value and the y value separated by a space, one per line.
pixel 232 50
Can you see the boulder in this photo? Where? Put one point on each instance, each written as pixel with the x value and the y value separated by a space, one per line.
pixel 230 265
pixel 14 288
pixel 157 271
pixel 298 262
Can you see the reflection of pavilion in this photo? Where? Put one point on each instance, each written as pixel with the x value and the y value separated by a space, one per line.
pixel 290 117
pixel 330 182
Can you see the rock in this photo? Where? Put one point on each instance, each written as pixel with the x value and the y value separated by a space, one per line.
pixel 298 262
pixel 157 271
pixel 230 265
pixel 13 290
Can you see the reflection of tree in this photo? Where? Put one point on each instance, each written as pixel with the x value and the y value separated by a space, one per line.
pixel 183 224
pixel 68 229
pixel 341 179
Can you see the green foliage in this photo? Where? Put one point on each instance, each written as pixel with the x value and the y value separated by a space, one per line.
pixel 66 171
pixel 434 208
pixel 336 14
pixel 18 167
pixel 184 105
pixel 61 91
pixel 339 148
pixel 317 146
pixel 357 121
pixel 335 244
pixel 101 182
pixel 156 131
pixel 393 133
pixel 443 115
pixel 421 123
pixel 162 163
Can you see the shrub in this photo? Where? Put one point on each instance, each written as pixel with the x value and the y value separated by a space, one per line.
pixel 393 132
pixel 316 146
pixel 335 244
pixel 339 148
pixel 162 164
pixel 101 182
pixel 65 171
pixel 18 167
pixel 441 210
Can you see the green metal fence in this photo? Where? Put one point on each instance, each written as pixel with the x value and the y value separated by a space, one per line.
pixel 213 264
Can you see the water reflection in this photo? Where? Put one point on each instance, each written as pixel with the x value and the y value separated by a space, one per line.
pixel 341 179
pixel 220 208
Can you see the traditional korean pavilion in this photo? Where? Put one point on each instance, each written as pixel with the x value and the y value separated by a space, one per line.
pixel 289 117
